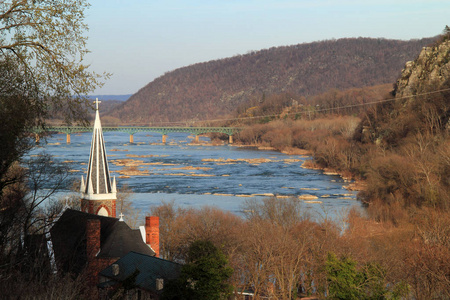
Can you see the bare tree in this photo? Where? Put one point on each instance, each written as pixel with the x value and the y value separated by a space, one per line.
pixel 27 213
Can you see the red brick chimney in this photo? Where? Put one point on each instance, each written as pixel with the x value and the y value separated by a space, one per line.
pixel 92 238
pixel 92 249
pixel 152 233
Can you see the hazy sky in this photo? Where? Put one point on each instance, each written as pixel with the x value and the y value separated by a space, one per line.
pixel 140 40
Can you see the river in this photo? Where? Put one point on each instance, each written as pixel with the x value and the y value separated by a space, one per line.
pixel 197 175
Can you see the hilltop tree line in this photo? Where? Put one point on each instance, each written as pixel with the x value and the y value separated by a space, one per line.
pixel 207 90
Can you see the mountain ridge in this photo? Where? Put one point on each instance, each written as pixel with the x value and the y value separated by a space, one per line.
pixel 108 97
pixel 215 88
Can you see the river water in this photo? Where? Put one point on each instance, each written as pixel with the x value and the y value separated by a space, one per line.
pixel 197 175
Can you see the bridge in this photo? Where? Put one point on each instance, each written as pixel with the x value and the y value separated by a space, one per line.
pixel 131 130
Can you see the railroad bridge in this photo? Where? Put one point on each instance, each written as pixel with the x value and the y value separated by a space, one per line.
pixel 131 130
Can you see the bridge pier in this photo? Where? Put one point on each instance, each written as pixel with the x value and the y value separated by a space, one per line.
pixel 230 139
pixel 134 129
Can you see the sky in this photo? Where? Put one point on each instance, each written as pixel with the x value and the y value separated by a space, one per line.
pixel 140 40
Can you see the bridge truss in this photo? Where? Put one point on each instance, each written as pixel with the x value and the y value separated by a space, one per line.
pixel 131 130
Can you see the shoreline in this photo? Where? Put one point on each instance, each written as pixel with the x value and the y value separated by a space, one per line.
pixel 353 184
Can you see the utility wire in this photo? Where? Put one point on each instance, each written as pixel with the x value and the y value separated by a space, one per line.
pixel 307 112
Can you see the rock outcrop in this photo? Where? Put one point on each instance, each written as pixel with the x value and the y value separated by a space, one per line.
pixel 430 69
pixel 422 100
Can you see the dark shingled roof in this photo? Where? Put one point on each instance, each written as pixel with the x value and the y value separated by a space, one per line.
pixel 68 236
pixel 150 268
pixel 123 240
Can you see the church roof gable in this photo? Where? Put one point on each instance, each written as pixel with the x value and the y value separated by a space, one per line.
pixel 121 240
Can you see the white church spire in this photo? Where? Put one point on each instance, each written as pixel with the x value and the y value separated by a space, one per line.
pixel 82 186
pixel 98 182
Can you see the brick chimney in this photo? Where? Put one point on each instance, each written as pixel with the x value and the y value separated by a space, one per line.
pixel 92 249
pixel 92 238
pixel 152 233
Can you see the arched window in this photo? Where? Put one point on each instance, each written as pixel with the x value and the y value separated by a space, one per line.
pixel 103 212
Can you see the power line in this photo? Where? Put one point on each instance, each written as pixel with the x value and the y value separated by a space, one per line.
pixel 307 112
pixel 334 108
pixel 385 100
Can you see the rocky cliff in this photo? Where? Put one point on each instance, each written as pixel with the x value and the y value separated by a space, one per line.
pixel 430 69
pixel 421 104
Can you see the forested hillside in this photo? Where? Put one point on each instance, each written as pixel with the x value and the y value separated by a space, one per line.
pixel 211 89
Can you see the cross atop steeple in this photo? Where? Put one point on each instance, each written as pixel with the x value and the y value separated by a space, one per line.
pixel 98 193
pixel 96 103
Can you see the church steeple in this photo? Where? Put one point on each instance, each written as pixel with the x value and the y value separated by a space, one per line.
pixel 98 195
